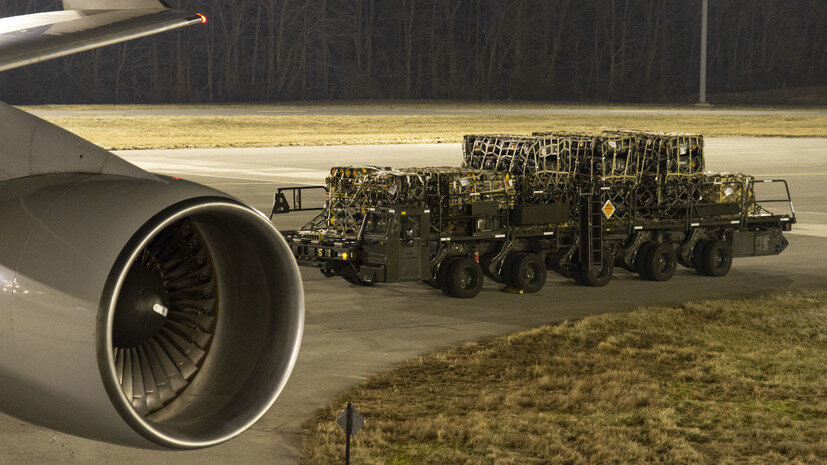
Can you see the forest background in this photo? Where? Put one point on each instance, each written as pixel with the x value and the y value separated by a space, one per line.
pixel 543 50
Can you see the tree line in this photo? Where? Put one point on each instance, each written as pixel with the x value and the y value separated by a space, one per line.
pixel 593 50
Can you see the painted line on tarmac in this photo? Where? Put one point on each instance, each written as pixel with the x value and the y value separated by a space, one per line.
pixel 787 175
pixel 809 229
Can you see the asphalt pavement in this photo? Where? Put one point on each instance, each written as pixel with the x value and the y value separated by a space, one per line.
pixel 353 332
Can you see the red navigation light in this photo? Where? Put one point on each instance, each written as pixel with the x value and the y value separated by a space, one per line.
pixel 203 18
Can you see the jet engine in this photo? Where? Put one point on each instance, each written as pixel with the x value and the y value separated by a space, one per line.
pixel 135 309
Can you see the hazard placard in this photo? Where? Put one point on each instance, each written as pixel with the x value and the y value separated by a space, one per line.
pixel 608 209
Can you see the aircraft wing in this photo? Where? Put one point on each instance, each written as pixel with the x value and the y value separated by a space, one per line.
pixel 84 25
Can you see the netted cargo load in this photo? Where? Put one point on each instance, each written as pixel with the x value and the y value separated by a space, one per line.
pixel 510 153
pixel 447 191
pixel 602 157
pixel 543 166
pixel 705 196
pixel 670 168
pixel 617 200
pixel 616 159
pixel 351 190
pixel 667 155
pixel 726 195
pixel 675 196
pixel 556 157
pixel 605 157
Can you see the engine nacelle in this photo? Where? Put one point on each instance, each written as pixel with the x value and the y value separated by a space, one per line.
pixel 148 312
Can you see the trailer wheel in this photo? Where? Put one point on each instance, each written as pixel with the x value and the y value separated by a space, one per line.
pixel 598 277
pixel 528 273
pixel 442 274
pixel 464 278
pixel 661 262
pixel 577 275
pixel 697 256
pixel 506 272
pixel 640 259
pixel 717 258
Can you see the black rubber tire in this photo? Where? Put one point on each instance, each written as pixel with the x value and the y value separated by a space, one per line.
pixel 640 259
pixel 442 274
pixel 598 277
pixel 576 274
pixel 508 265
pixel 697 256
pixel 528 273
pixel 717 258
pixel 661 262
pixel 464 278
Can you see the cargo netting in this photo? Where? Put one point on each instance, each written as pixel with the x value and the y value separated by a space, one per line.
pixel 446 191
pixel 638 176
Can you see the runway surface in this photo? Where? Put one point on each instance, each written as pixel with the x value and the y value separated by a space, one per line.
pixel 384 110
pixel 353 332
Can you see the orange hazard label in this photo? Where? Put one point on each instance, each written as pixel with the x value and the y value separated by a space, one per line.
pixel 608 209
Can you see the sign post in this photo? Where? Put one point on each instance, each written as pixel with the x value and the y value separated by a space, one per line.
pixel 351 421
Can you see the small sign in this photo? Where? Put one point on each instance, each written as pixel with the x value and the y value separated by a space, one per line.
pixel 351 421
pixel 355 419
pixel 608 209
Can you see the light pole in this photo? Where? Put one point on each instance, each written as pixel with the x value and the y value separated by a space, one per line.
pixel 704 15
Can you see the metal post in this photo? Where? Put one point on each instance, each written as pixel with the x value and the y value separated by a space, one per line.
pixel 347 451
pixel 704 15
pixel 351 421
pixel 348 432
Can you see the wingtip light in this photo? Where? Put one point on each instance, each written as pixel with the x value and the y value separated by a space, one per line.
pixel 203 18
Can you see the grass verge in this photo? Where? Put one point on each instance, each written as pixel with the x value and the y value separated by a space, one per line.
pixel 711 382
pixel 142 132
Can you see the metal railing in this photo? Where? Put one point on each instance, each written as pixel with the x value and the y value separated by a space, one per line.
pixel 281 204
pixel 788 200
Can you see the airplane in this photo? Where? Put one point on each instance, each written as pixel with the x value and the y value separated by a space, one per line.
pixel 135 309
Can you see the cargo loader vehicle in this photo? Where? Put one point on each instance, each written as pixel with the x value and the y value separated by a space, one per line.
pixel 520 206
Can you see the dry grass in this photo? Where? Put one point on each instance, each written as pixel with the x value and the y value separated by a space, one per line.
pixel 135 132
pixel 712 382
pixel 731 104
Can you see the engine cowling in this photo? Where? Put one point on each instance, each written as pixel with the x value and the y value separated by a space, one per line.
pixel 148 312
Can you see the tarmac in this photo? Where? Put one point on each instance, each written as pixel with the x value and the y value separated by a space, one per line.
pixel 353 332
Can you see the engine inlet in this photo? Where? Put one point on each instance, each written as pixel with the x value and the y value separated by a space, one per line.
pixel 165 317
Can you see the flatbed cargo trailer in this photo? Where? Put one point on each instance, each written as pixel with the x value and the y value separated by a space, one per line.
pixel 471 224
